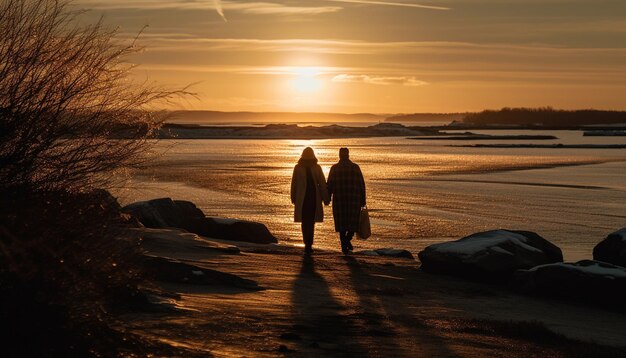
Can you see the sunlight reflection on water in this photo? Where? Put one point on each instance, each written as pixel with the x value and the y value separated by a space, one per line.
pixel 418 192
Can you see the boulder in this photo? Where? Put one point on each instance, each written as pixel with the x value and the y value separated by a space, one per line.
pixel 165 212
pixel 489 256
pixel 612 249
pixel 237 230
pixel 590 281
pixel 388 252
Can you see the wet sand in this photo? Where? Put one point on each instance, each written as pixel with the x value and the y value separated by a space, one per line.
pixel 331 305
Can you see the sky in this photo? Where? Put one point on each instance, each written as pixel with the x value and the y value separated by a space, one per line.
pixel 401 56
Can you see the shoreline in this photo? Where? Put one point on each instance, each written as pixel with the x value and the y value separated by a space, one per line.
pixel 474 136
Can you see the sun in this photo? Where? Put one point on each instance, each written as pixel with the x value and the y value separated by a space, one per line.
pixel 306 79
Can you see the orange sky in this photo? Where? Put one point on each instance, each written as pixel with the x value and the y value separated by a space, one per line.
pixel 380 56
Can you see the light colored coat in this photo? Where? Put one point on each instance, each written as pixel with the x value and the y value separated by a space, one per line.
pixel 298 190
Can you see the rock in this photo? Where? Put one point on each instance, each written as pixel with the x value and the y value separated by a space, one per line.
pixel 388 252
pixel 612 249
pixel 169 270
pixel 237 230
pixel 156 213
pixel 395 253
pixel 590 281
pixel 165 212
pixel 188 209
pixel 489 256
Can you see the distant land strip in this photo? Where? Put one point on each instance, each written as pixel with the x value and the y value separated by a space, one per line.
pixel 472 136
pixel 289 131
pixel 505 118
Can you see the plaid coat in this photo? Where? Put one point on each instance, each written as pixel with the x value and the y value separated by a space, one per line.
pixel 347 188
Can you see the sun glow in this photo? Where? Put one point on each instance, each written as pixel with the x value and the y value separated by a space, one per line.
pixel 306 79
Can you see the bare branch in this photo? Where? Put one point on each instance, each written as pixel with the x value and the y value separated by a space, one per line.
pixel 65 99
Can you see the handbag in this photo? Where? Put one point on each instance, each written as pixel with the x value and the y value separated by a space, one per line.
pixel 365 230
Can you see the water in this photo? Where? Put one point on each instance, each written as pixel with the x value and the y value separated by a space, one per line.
pixel 419 192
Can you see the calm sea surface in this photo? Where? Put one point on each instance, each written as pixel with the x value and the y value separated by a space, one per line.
pixel 419 192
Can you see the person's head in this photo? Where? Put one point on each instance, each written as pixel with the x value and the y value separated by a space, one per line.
pixel 308 157
pixel 308 154
pixel 344 153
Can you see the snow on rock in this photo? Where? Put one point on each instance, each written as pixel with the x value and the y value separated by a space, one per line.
pixel 165 212
pixel 489 256
pixel 612 249
pixel 485 240
pixel 585 280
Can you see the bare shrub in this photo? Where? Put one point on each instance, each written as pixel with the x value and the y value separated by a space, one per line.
pixel 69 115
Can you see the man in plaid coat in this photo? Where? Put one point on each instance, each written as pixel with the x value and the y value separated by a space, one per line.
pixel 347 188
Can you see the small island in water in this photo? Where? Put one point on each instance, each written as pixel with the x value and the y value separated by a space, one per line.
pixel 294 131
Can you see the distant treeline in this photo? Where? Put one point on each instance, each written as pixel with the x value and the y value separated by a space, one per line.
pixel 426 117
pixel 546 116
pixel 208 117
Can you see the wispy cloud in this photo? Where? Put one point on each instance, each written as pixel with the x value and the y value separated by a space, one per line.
pixel 178 42
pixel 380 80
pixel 250 69
pixel 268 8
pixel 390 3
pixel 261 8
pixel 219 8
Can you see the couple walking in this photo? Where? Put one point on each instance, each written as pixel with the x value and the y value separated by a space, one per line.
pixel 309 189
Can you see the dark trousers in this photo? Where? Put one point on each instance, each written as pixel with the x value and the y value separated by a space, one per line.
pixel 308 210
pixel 308 230
pixel 345 236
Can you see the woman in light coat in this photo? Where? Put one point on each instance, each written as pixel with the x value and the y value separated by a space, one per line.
pixel 308 191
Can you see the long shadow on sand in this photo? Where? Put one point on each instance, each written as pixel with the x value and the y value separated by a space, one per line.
pixel 319 320
pixel 391 328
